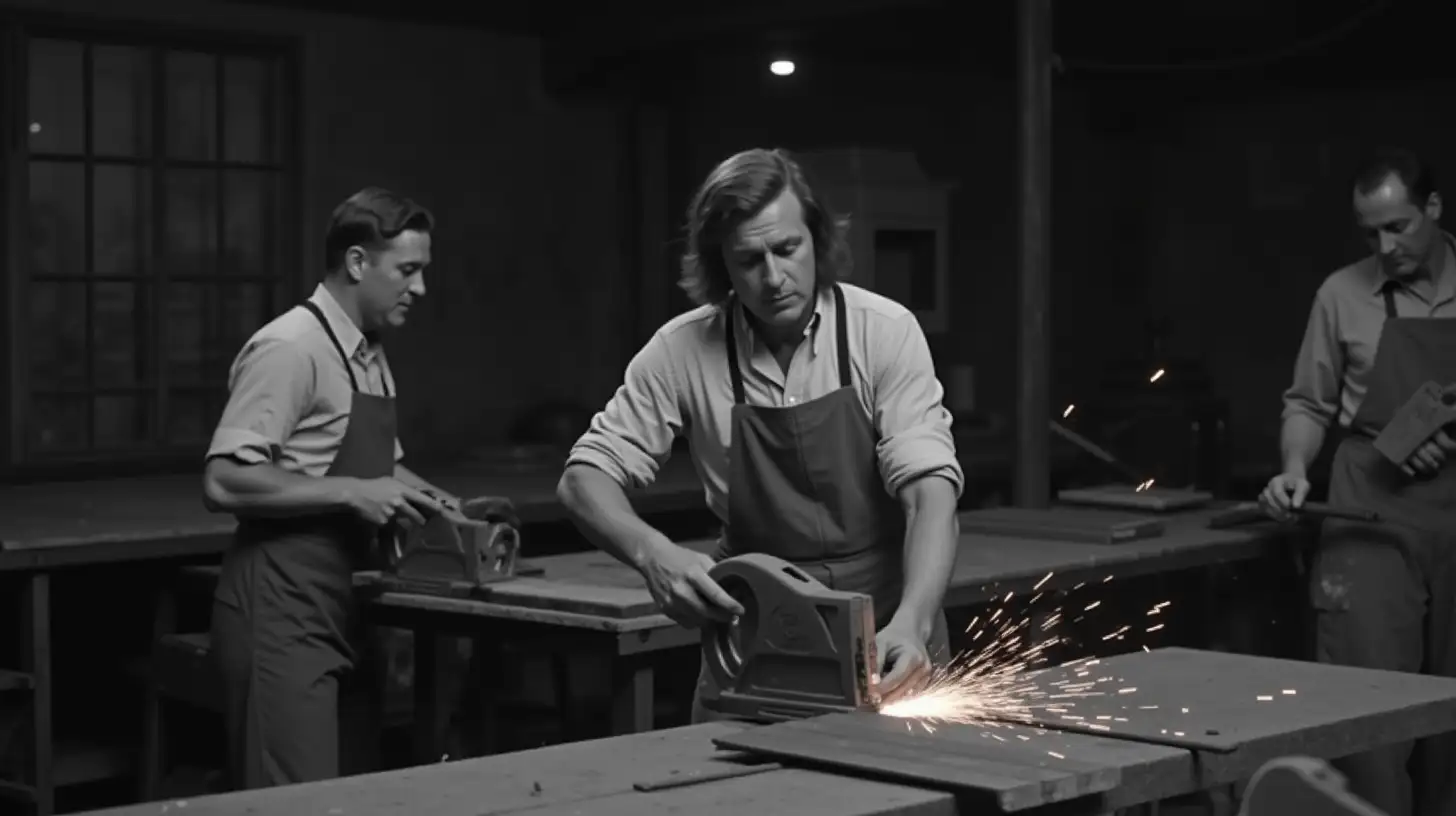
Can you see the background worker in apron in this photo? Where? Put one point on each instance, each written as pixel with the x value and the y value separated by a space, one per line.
pixel 307 457
pixel 1384 594
pixel 813 414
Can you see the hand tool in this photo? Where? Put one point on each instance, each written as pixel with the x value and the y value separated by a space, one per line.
pixel 1301 785
pixel 1428 410
pixel 456 552
pixel 701 776
pixel 798 650
pixel 1252 513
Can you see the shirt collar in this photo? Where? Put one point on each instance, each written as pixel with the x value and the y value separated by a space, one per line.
pixel 353 341
pixel 811 329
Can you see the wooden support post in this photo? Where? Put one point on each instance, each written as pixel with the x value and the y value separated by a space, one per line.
pixel 1034 78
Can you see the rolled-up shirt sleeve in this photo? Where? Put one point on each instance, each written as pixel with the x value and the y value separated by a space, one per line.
pixel 1315 391
pixel 270 386
pixel 632 436
pixel 910 415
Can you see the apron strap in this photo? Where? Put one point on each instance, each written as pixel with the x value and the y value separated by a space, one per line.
pixel 334 338
pixel 733 372
pixel 846 377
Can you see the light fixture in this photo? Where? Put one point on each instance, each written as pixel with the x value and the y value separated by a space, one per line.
pixel 781 67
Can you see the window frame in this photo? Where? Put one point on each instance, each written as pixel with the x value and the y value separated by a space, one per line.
pixel 17 29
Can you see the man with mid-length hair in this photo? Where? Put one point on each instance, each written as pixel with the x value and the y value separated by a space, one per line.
pixel 813 414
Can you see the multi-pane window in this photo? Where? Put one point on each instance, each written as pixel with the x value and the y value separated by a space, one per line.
pixel 156 234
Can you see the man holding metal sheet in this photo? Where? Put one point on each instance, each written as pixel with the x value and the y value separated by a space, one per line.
pixel 813 414
pixel 1384 594
pixel 306 456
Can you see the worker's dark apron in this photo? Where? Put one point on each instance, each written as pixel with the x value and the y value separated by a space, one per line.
pixel 1385 594
pixel 804 485
pixel 284 611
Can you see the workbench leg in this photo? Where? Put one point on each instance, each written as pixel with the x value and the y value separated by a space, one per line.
pixel 1221 801
pixel 427 709
pixel 632 695
pixel 37 612
pixel 480 696
pixel 154 737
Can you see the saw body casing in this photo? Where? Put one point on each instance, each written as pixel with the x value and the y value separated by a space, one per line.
pixel 799 650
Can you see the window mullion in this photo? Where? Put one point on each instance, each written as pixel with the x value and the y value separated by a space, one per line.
pixel 157 246
pixel 88 226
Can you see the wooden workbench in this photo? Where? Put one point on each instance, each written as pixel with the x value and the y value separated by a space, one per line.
pixel 1337 711
pixel 59 525
pixel 591 603
pixel 63 525
pixel 66 523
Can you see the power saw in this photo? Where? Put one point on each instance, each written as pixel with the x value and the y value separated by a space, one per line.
pixel 458 552
pixel 800 649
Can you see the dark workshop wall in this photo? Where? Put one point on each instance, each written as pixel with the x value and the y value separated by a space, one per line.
pixel 1219 207
pixel 962 130
pixel 527 291
pixel 1247 211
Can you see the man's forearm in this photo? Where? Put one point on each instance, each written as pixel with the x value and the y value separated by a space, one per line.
pixel 1300 441
pixel 931 537
pixel 268 491
pixel 600 509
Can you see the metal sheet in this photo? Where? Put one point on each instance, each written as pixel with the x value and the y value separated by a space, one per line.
pixel 1007 768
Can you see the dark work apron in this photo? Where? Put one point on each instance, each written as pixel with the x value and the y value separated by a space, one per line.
pixel 1385 594
pixel 283 615
pixel 804 485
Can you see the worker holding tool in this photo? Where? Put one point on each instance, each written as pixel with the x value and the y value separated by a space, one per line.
pixel 1384 595
pixel 813 414
pixel 306 456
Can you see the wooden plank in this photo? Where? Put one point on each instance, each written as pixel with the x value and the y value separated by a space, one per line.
pixel 572 778
pixel 797 792
pixel 1128 497
pixel 1061 524
pixel 1262 707
pixel 441 614
pixel 578 598
pixel 590 583
pixel 1008 773
pixel 561 774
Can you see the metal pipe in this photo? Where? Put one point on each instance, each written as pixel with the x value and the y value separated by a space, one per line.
pixel 1034 79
